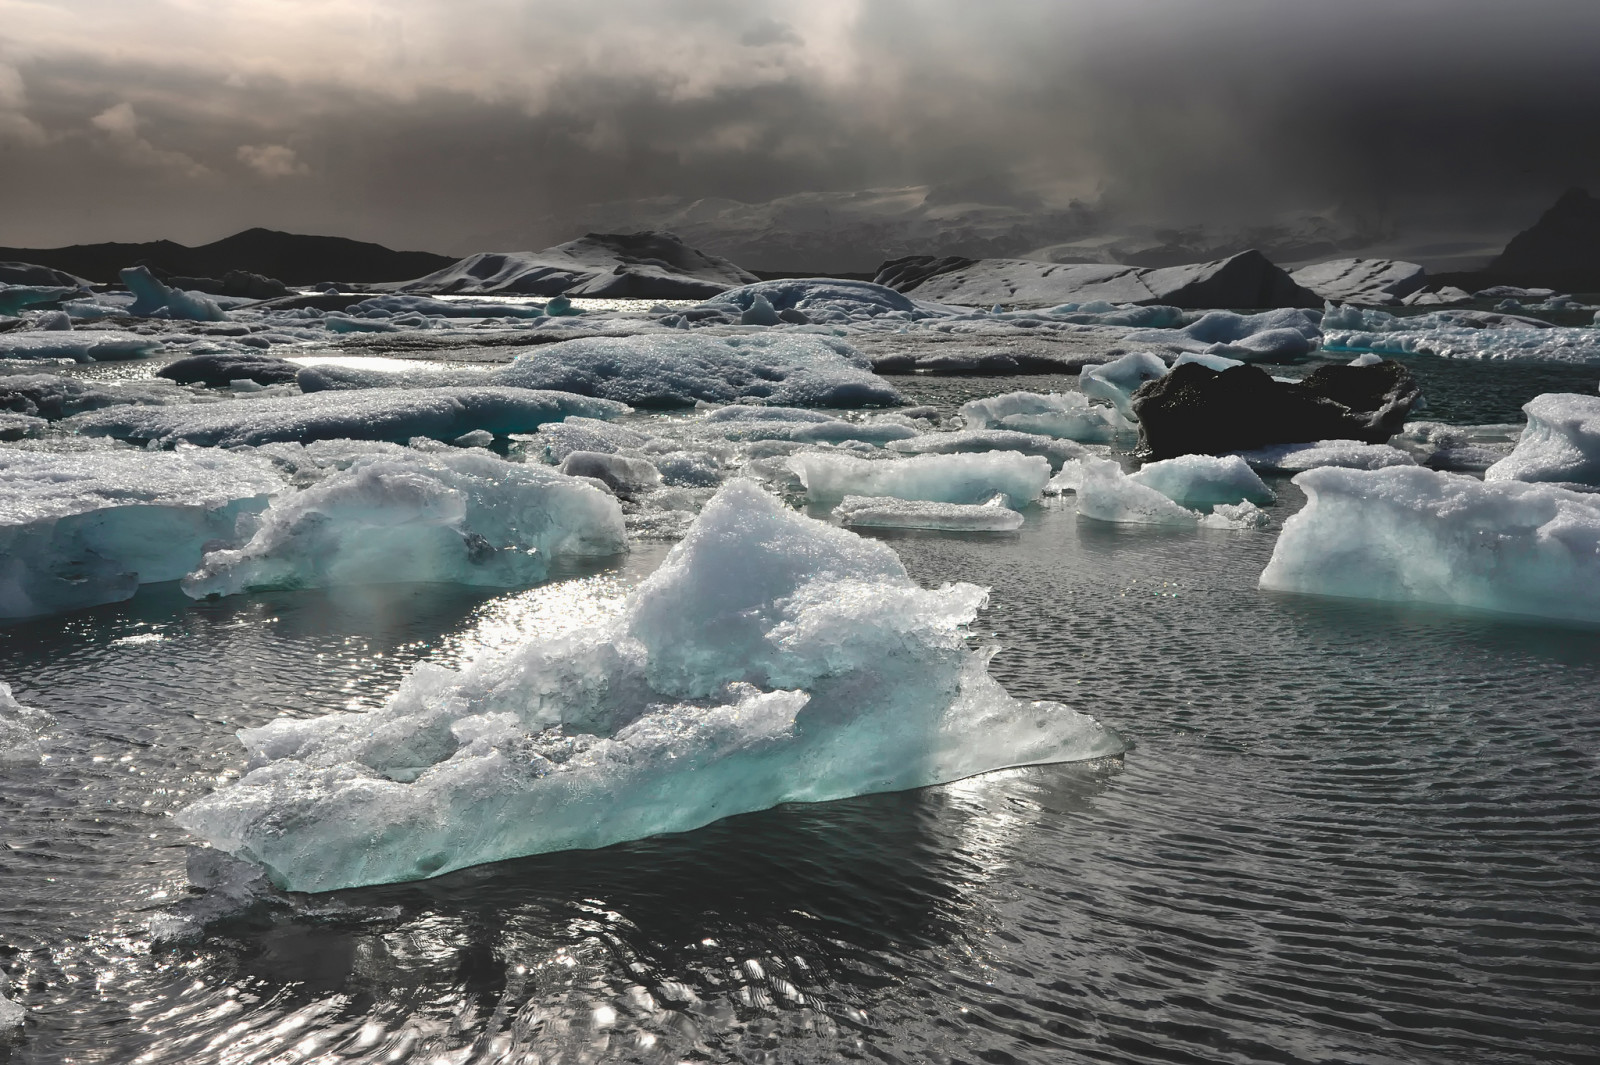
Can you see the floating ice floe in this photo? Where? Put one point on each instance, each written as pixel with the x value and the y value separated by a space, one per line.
pixel 1460 448
pixel 959 478
pixel 11 1014
pixel 977 441
pixel 1415 535
pixel 1203 481
pixel 1282 335
pixel 392 414
pixel 15 427
pixel 1106 493
pixel 772 658
pixel 152 298
pixel 1117 381
pixel 816 300
pixel 459 517
pixel 890 513
pixel 1458 334
pixel 20 729
pixel 621 474
pixel 13 298
pixel 81 345
pixel 1063 415
pixel 80 529
pixel 1561 442
pixel 1349 454
pixel 557 440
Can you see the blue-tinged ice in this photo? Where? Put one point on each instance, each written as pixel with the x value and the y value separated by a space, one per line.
pixel 977 441
pixel 960 478
pixel 152 298
pixel 1561 442
pixel 1200 482
pixel 772 658
pixel 83 528
pixel 1117 381
pixel 448 516
pixel 1281 335
pixel 1409 534
pixel 13 298
pixel 392 414
pixel 1458 334
pixel 1063 415
pixel 1347 454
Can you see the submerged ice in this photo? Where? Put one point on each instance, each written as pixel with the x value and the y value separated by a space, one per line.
pixel 772 658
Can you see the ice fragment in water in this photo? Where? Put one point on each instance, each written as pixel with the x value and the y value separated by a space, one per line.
pixel 960 478
pixel 1200 482
pixel 1105 493
pixel 1409 534
pixel 772 658
pixel 1117 381
pixel 1349 454
pixel 886 512
pixel 20 727
pixel 1561 442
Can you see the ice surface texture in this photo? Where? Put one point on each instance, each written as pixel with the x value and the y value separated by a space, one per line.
pixel 959 478
pixel 772 658
pixel 462 517
pixel 80 529
pixel 1409 534
pixel 1203 481
pixel 393 414
pixel 1561 442
pixel 84 345
pixel 1063 415
pixel 1458 334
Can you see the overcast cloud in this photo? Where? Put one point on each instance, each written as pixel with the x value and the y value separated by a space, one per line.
pixel 460 125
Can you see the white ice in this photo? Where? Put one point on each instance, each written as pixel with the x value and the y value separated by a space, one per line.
pixel 1560 443
pixel 623 475
pixel 772 658
pixel 1105 493
pixel 81 345
pixel 1458 334
pixel 976 441
pixel 393 414
pixel 79 529
pixel 1271 336
pixel 460 517
pixel 887 512
pixel 958 478
pixel 152 298
pixel 20 728
pixel 1409 534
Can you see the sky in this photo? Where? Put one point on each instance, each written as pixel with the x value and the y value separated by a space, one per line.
pixel 462 125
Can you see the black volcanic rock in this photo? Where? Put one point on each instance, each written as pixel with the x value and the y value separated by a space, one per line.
pixel 217 371
pixel 1197 410
pixel 291 257
pixel 1562 249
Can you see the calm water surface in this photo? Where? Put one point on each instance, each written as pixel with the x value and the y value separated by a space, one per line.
pixel 1348 832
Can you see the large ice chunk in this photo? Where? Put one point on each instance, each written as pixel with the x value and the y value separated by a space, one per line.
pixel 20 727
pixel 393 414
pixel 152 297
pixel 81 345
pixel 85 528
pixel 1064 415
pixel 886 512
pixel 772 658
pixel 1409 534
pixel 977 441
pixel 461 517
pixel 1347 454
pixel 1105 493
pixel 1200 482
pixel 1561 442
pixel 663 371
pixel 960 478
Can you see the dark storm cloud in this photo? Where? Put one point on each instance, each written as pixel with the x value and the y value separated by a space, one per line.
pixel 440 126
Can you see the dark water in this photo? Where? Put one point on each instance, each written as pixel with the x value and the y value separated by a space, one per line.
pixel 1347 833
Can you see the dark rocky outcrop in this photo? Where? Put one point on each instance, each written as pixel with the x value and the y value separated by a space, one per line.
pixel 240 283
pixel 217 371
pixel 1198 410
pixel 42 276
pixel 1562 249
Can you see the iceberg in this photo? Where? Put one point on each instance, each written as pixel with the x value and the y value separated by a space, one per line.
pixel 221 370
pixel 1409 534
pixel 84 528
pixel 1105 493
pixel 393 414
pixel 890 513
pixel 625 476
pixel 153 298
pixel 1272 336
pixel 1561 442
pixel 460 517
pixel 1063 415
pixel 53 396
pixel 664 371
pixel 559 439
pixel 959 478
pixel 772 658
pixel 1345 454
pixel 13 298
pixel 1458 334
pixel 78 345
pixel 1200 482
pixel 20 728
pixel 1365 281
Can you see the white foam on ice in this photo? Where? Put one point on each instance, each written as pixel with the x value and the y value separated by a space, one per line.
pixel 1560 443
pixel 83 528
pixel 457 517
pixel 887 512
pixel 1200 482
pixel 1409 534
pixel 957 478
pixel 772 658
pixel 393 414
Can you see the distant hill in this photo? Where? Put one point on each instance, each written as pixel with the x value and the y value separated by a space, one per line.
pixel 1561 250
pixel 290 257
